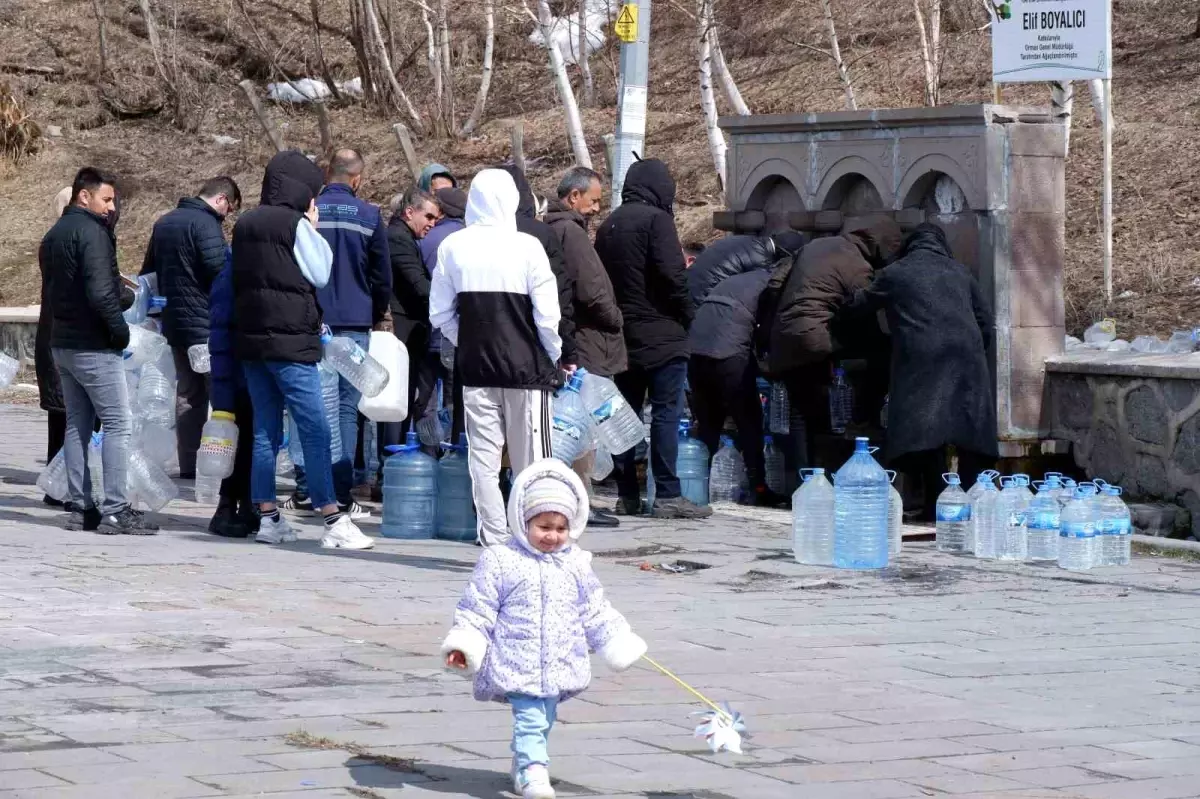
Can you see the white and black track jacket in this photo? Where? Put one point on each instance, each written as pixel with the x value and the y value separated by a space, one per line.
pixel 493 294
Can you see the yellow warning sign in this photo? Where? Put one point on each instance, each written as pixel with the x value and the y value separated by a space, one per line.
pixel 626 26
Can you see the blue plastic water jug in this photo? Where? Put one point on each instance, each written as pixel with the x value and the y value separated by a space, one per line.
pixel 691 466
pixel 861 512
pixel 456 507
pixel 410 488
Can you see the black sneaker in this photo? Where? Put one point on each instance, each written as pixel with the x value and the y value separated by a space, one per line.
pixel 598 518
pixel 248 518
pixel 679 508
pixel 627 506
pixel 223 518
pixel 88 519
pixel 127 522
pixel 296 502
pixel 52 502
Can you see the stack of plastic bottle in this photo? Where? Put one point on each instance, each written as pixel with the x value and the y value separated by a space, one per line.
pixel 728 473
pixel 860 539
pixel 953 516
pixel 410 492
pixel 456 520
pixel 812 519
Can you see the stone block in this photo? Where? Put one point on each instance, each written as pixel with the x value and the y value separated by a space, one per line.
pixel 910 218
pixel 1179 394
pixel 1071 399
pixel 1159 518
pixel 1146 415
pixel 801 220
pixel 1037 184
pixel 1036 300
pixel 749 221
pixel 1105 458
pixel 1037 242
pixel 1148 477
pixel 1186 454
pixel 1038 140
pixel 828 221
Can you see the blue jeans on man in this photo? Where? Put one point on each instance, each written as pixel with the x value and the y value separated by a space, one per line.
pixel 665 387
pixel 347 421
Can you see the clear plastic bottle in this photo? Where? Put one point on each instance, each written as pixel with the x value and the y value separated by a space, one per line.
pixel 953 516
pixel 773 463
pixel 603 465
pixel 153 487
pixel 983 511
pixel 198 359
pixel 1182 341
pixel 410 492
pixel 779 410
pixel 156 397
pixel 812 519
pixel 53 479
pixel 355 364
pixel 1045 521
pixel 895 518
pixel 618 426
pixel 456 520
pixel 725 476
pixel 331 401
pixel 207 489
pixel 8 369
pixel 1115 529
pixel 973 495
pixel 1011 534
pixel 1067 493
pixel 861 518
pixel 841 402
pixel 571 422
pixel 1077 536
pixel 145 347
pixel 95 458
pixel 155 441
pixel 218 446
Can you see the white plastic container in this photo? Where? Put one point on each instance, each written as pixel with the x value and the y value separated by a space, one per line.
pixel 53 479
pixel 812 519
pixel 895 518
pixel 364 371
pixel 218 446
pixel 617 424
pixel 390 402
pixel 8 369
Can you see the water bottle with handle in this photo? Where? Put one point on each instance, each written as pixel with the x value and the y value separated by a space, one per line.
pixel 861 515
pixel 218 446
pixel 207 489
pixel 410 492
pixel 841 402
pixel 895 518
pixel 53 479
pixel 780 410
pixel 8 369
pixel 331 401
pixel 1078 531
pixel 1067 493
pixel 973 495
pixel 725 479
pixel 153 487
pixel 812 519
pixel 455 504
pixel 953 516
pixel 773 465
pixel 1045 521
pixel 156 397
pixel 691 466
pixel 353 363
pixel 603 465
pixel 1115 529
pixel 571 422
pixel 618 426
pixel 983 512
pixel 1011 517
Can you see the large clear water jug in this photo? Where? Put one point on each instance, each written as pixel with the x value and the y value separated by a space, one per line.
pixel 776 476
pixel 1045 521
pixel 153 487
pixel 953 513
pixel 353 363
pixel 218 446
pixel 571 423
pixel 973 495
pixel 455 505
pixel 1115 529
pixel 144 300
pixel 841 402
pixel 410 492
pixel 1011 517
pixel 603 465
pixel 618 426
pixel 207 490
pixel 861 517
pixel 779 411
pixel 155 441
pixel 1077 536
pixel 331 401
pixel 8 369
pixel 156 397
pixel 691 466
pixel 1068 492
pixel 895 518
pixel 983 512
pixel 812 519
pixel 199 359
pixel 53 479
pixel 145 347
pixel 725 479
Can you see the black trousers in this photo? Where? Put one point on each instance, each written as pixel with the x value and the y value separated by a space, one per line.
pixel 236 487
pixel 929 465
pixel 727 387
pixel 56 432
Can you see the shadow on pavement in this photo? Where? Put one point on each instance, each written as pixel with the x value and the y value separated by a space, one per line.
pixel 428 776
pixel 18 477
pixel 313 547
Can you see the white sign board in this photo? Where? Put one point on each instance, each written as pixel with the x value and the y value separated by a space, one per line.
pixel 1052 40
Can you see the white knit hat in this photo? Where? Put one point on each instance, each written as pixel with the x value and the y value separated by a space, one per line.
pixel 549 494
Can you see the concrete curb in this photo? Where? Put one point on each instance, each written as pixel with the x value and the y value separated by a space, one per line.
pixel 1173 544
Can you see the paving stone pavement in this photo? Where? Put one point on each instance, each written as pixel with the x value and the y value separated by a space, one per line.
pixel 186 666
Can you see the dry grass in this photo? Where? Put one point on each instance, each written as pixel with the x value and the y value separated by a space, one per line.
pixel 1157 67
pixel 306 740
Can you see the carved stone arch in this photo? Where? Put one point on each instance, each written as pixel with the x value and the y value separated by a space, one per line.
pixel 928 168
pixel 853 168
pixel 764 177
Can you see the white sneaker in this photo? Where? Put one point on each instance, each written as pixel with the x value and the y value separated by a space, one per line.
pixel 534 782
pixel 355 511
pixel 344 534
pixel 275 532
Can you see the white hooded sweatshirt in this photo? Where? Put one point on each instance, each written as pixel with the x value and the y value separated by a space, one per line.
pixel 494 296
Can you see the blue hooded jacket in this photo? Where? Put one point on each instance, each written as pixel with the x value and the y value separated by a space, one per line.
pixel 360 285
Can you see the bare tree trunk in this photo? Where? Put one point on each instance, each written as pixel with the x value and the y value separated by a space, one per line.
pixel 835 52
pixel 517 138
pixel 485 78
pixel 431 56
pixel 708 102
pixel 447 65
pixel 581 58
pixel 155 42
pixel 268 125
pixel 358 40
pixel 410 153
pixel 935 41
pixel 102 36
pixel 1062 99
pixel 325 130
pixel 558 68
pixel 730 88
pixel 929 43
pixel 402 101
pixel 326 75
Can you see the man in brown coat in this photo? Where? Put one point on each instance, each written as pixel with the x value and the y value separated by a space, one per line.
pixel 600 344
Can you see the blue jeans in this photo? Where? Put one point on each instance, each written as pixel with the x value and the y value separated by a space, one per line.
pixel 347 421
pixel 93 385
pixel 665 386
pixel 272 384
pixel 533 718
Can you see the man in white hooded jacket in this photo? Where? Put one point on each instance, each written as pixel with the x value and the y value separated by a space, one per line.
pixel 495 298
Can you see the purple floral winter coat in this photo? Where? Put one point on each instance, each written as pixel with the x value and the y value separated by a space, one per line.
pixel 528 619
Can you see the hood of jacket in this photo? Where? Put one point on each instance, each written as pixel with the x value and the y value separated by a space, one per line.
pixel 291 181
pixel 558 211
pixel 432 171
pixel 493 200
pixel 527 207
pixel 649 181
pixel 878 237
pixel 928 237
pixel 453 202
pixel 555 469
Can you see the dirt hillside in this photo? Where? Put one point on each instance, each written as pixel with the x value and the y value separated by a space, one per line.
pixel 115 116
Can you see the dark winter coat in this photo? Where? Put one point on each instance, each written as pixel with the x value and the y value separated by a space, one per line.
pixel 599 341
pixel 227 375
pixel 527 222
pixel 360 285
pixel 187 251
pixel 453 203
pixel 942 337
pixel 725 321
pixel 276 314
pixel 640 249
pixel 808 292
pixel 79 256
pixel 410 283
pixel 730 256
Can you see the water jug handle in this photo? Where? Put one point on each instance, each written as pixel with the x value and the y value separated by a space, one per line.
pixel 891 473
pixel 1099 482
pixel 992 474
pixel 947 475
pixel 396 449
pixel 872 450
pixel 806 474
pixel 1038 484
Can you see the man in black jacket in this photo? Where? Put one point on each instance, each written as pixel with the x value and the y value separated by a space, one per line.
pixel 187 251
pixel 79 258
pixel 641 252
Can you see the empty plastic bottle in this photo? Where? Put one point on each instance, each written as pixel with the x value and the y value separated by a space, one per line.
pixel 8 369
pixel 410 492
pixel 571 422
pixel 156 397
pixel 455 505
pixel 332 403
pixel 156 442
pixel 779 410
pixel 618 426
pixel 841 402
pixel 895 518
pixel 603 465
pixel 861 518
pixel 198 359
pixel 95 460
pixel 1183 341
pixel 983 512
pixel 973 495
pixel 691 466
pixel 218 446
pixel 1102 332
pixel 207 489
pixel 812 519
pixel 144 300
pixel 153 487
pixel 354 363
pixel 53 479
pixel 1114 530
pixel 773 465
pixel 1077 536
pixel 953 516
pixel 145 347
pixel 1044 521
pixel 725 479
pixel 1011 531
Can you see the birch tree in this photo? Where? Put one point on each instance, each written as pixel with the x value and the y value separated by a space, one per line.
pixel 728 85
pixel 446 65
pixel 1062 101
pixel 581 57
pixel 931 48
pixel 708 102
pixel 385 64
pixel 485 77
pixel 835 52
pixel 562 81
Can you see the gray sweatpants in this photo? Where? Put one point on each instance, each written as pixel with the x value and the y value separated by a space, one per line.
pixel 93 384
pixel 495 417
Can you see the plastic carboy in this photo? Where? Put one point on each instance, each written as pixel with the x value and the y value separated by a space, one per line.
pixel 895 518
pixel 410 492
pixel 455 505
pixel 725 479
pixel 973 495
pixel 354 363
pixel 773 466
pixel 1114 530
pixel 953 516
pixel 617 424
pixel 331 402
pixel 983 514
pixel 1045 521
pixel 1011 518
pixel 1077 536
pixel 779 411
pixel 571 423
pixel 812 519
pixel 691 466
pixel 861 512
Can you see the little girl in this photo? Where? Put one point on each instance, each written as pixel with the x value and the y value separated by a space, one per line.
pixel 532 611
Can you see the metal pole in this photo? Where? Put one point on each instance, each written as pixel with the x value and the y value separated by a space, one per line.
pixel 631 97
pixel 1108 191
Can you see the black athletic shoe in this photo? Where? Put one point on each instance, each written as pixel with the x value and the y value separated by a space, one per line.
pixel 52 502
pixel 598 518
pixel 679 508
pixel 223 518
pixel 627 506
pixel 88 520
pixel 127 522
pixel 296 502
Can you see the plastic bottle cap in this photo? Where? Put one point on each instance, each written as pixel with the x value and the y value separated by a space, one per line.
pixel 768 439
pixel 225 415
